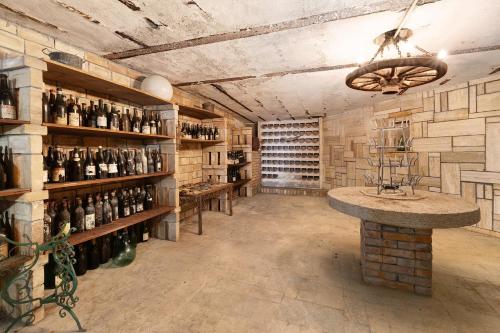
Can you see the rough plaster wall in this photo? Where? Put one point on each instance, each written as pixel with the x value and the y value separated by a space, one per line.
pixel 456 133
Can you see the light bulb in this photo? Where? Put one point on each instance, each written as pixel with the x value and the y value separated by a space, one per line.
pixel 360 59
pixel 407 47
pixel 442 54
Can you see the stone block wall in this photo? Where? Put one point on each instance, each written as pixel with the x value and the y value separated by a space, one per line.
pixel 456 131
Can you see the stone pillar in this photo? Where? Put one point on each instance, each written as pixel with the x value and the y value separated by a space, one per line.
pixel 396 257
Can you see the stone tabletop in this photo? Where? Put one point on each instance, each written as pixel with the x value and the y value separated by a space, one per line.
pixel 434 210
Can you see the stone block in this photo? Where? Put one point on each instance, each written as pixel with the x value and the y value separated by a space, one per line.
pixel 488 102
pixel 469 140
pixel 463 157
pixel 469 192
pixel 422 116
pixel 457 128
pixel 435 166
pixel 472 99
pixel 12 42
pixel 34 36
pixel 440 144
pixel 450 178
pixel 25 144
pixel 480 177
pixel 492 87
pixel 99 71
pixel 493 144
pixel 458 99
pixel 428 104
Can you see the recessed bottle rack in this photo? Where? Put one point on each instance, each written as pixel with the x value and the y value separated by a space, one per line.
pixel 291 153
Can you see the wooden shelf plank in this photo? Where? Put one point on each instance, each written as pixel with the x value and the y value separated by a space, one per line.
pixel 90 131
pixel 203 142
pixel 11 264
pixel 97 182
pixel 198 113
pixel 63 74
pixel 122 223
pixel 239 165
pixel 13 192
pixel 13 122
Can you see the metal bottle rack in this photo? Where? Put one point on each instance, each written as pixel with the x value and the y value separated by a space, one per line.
pixel 388 180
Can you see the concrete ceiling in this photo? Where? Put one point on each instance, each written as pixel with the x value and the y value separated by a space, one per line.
pixel 267 59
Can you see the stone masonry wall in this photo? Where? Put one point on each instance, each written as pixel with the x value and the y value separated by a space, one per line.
pixel 456 131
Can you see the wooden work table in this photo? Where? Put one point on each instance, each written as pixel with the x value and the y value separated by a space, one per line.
pixel 214 191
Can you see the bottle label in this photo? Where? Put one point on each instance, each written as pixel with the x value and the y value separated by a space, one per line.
pixel 103 167
pixel 61 121
pixel 126 211
pixel 74 119
pixel 140 207
pixel 7 111
pixel 146 129
pixel 153 130
pixel 138 168
pixel 158 166
pixel 145 236
pixel 102 122
pixel 89 221
pixel 113 168
pixel 45 176
pixel 115 212
pixel 136 129
pixel 114 125
pixel 58 174
pixel 90 170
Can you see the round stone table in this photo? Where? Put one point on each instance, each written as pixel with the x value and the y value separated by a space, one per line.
pixel 396 235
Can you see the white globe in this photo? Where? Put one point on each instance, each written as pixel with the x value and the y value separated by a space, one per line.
pixel 159 86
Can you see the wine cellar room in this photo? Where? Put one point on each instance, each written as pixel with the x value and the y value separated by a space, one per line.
pixel 249 166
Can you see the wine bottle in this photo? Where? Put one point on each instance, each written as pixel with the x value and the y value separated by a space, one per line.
pixel 47 223
pixel 159 125
pixel 7 101
pixel 89 213
pixel 105 253
pixel 130 163
pixel 99 211
pixel 46 116
pixel 143 198
pixel 114 206
pixel 107 212
pixel 145 128
pixel 139 200
pixel 73 112
pixel 93 257
pixel 61 118
pixel 102 120
pixel 144 160
pixel 216 133
pixel 101 165
pixel 80 265
pixel 89 166
pixel 149 197
pixel 114 119
pixel 64 217
pixel 152 125
pixel 126 122
pixel 151 164
pixel 58 168
pixel 132 236
pixel 112 165
pixel 131 202
pixel 121 164
pixel 4 246
pixel 145 232
pixel 53 217
pixel 136 122
pixel 125 204
pixel 83 114
pixel 92 115
pixel 138 163
pixel 76 166
pixel 3 172
pixel 79 216
pixel 52 102
pixel 9 167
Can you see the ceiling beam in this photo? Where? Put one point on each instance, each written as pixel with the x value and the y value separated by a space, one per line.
pixel 336 15
pixel 320 69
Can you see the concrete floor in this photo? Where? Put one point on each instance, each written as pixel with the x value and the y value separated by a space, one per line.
pixel 284 264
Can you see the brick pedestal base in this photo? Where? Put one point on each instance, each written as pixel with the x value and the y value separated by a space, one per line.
pixel 397 257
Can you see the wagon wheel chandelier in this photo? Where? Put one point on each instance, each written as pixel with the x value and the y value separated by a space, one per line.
pixel 400 73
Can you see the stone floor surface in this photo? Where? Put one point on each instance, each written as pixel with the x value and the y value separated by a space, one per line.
pixel 284 264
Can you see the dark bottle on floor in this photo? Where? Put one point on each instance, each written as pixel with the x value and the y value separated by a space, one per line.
pixel 145 232
pixel 105 249
pixel 117 244
pixel 93 257
pixel 80 265
pixel 132 235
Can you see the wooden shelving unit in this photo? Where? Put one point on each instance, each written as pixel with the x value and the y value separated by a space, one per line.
pixel 13 122
pixel 240 183
pixel 198 113
pixel 73 77
pixel 119 224
pixel 203 142
pixel 105 181
pixel 12 192
pixel 89 131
